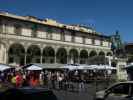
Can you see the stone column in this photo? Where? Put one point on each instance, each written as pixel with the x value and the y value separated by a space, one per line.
pixel 25 56
pixel 41 59
pixel 55 59
pixel 6 54
pixel 55 49
pixel 41 56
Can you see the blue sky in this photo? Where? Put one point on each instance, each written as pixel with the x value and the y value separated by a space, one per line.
pixel 106 16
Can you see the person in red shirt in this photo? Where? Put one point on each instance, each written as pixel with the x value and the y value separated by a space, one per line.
pixel 34 81
pixel 19 79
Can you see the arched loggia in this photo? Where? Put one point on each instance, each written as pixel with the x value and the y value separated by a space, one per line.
pixel 33 54
pixel 109 54
pixel 16 54
pixel 101 59
pixel 92 57
pixel 101 53
pixel 93 53
pixel 48 55
pixel 73 56
pixel 61 56
pixel 83 56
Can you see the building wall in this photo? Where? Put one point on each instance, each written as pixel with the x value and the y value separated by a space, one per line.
pixel 55 37
pixel 121 73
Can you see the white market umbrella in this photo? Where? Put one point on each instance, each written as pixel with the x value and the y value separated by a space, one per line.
pixel 34 67
pixel 4 67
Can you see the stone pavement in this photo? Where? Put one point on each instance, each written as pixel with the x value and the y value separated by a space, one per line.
pixel 87 94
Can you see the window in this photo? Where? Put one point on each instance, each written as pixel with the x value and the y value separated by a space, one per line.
pixel 34 34
pixel 83 39
pixel 17 29
pixel 93 41
pixel 34 30
pixel 101 42
pixel 120 89
pixel 49 33
pixel 62 35
pixel 73 36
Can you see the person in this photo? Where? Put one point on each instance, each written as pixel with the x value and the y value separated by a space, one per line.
pixel 41 78
pixel 34 81
pixel 49 77
pixel 81 83
pixel 19 79
pixel 25 81
pixel 13 80
pixel 3 76
pixel 60 79
pixel 53 79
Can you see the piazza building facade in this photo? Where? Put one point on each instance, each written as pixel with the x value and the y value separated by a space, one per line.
pixel 27 39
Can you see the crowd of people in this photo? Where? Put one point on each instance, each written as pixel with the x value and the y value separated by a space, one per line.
pixel 47 78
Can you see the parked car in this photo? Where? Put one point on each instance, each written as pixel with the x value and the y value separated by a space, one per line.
pixel 118 91
pixel 27 93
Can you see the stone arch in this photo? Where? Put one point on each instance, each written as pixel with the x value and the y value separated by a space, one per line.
pixel 33 54
pixel 74 56
pixel 109 54
pixel 48 55
pixel 101 53
pixel 16 54
pixel 114 64
pixel 83 56
pixel 101 59
pixel 93 53
pixel 92 57
pixel 61 56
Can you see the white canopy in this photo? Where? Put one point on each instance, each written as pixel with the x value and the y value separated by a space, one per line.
pixel 86 67
pixel 110 67
pixel 76 67
pixel 103 67
pixel 34 67
pixel 4 67
pixel 89 67
pixel 71 67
